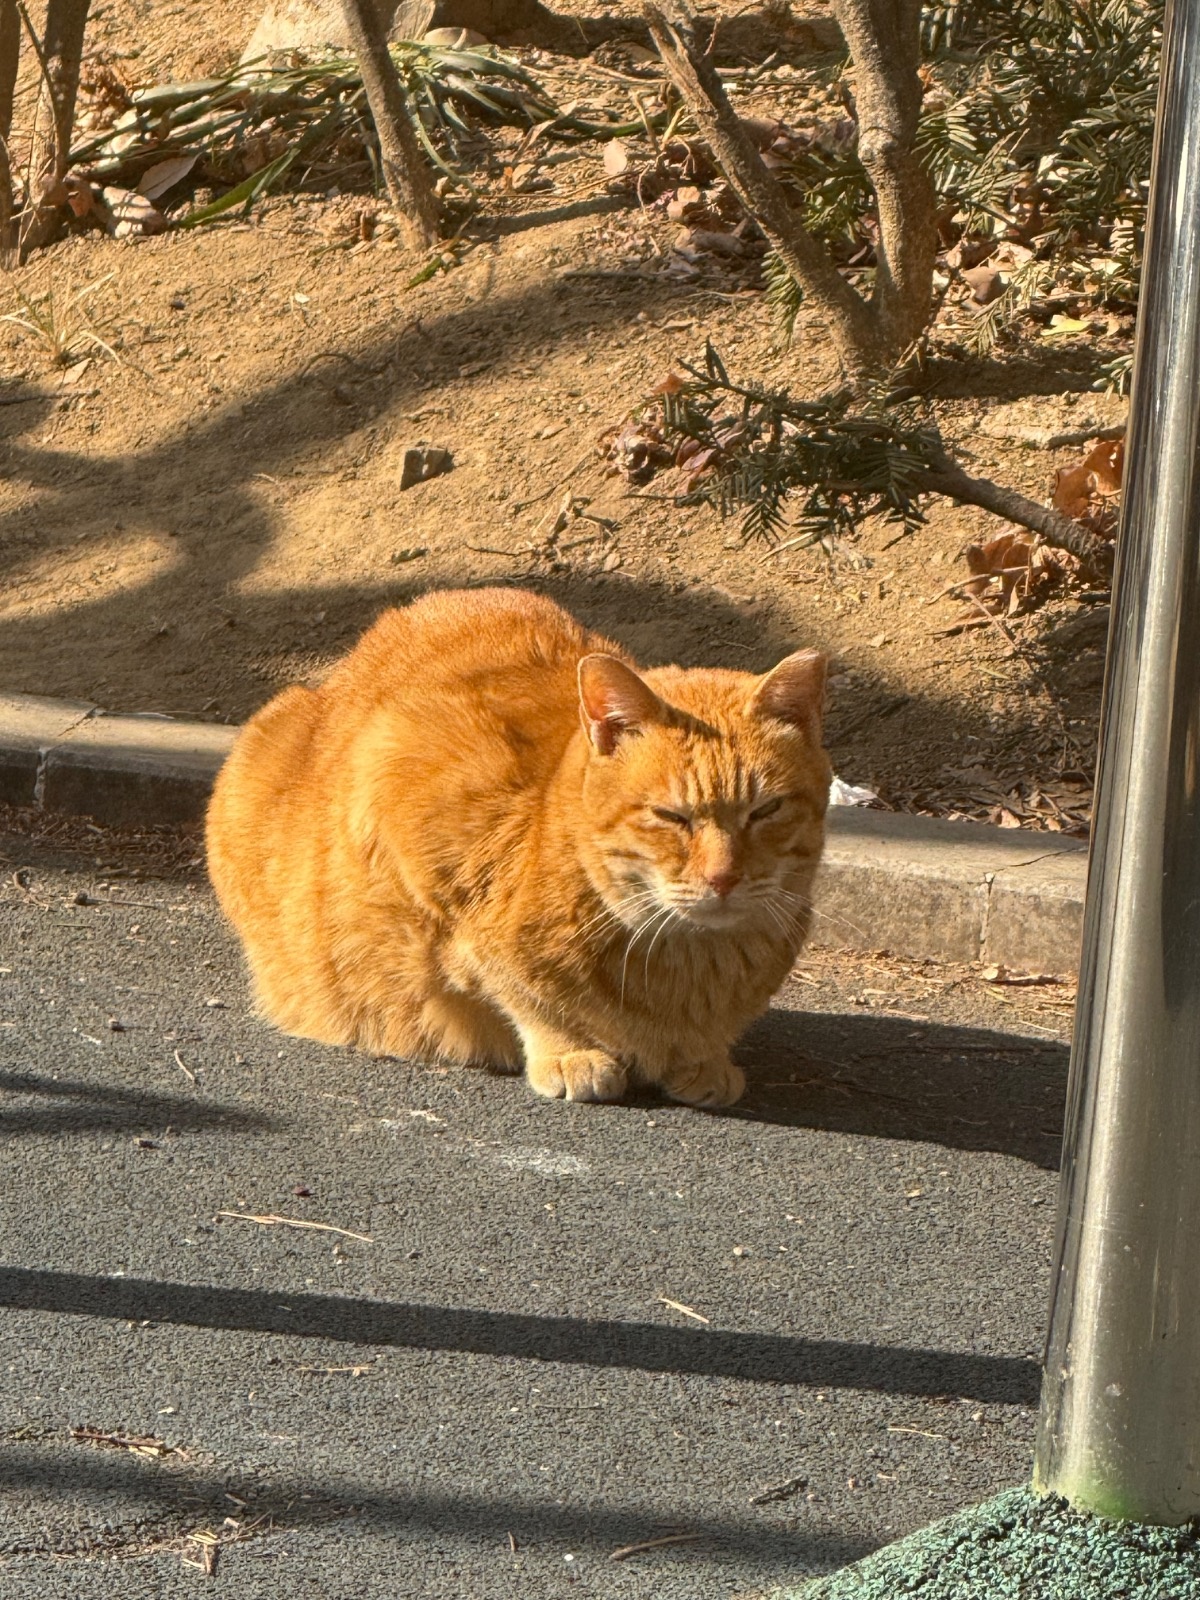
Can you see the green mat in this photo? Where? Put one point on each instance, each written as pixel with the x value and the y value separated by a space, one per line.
pixel 1021 1546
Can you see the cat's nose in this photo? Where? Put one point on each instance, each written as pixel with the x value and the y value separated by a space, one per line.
pixel 724 883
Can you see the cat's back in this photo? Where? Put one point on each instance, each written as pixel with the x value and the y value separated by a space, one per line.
pixel 445 712
pixel 463 705
pixel 461 642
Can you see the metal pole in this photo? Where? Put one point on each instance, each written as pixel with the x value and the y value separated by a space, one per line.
pixel 1120 1422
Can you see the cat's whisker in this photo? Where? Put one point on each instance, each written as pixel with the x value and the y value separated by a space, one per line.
pixel 649 922
pixel 833 918
pixel 777 916
pixel 612 913
pixel 672 916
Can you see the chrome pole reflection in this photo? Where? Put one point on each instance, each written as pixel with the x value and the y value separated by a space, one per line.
pixel 1120 1423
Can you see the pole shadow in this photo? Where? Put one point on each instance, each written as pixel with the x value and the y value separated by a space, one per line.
pixel 578 1341
pixel 893 1077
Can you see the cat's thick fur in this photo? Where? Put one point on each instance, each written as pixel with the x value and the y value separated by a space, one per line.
pixel 486 837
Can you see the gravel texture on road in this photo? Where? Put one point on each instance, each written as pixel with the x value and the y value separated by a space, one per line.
pixel 334 1326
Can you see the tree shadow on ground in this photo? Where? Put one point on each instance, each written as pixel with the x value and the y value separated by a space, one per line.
pixel 894 1077
pixel 197 617
pixel 31 1103
pixel 1011 377
pixel 205 496
pixel 136 1498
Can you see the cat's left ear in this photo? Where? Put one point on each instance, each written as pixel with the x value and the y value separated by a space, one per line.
pixel 613 700
pixel 794 691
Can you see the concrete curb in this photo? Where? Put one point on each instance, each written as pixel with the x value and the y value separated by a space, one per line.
pixel 126 771
pixel 920 887
pixel 951 891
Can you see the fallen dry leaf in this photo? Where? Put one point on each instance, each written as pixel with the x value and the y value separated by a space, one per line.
pixel 73 190
pixel 131 213
pixel 1090 491
pixel 1062 327
pixel 688 204
pixel 710 239
pixel 1003 558
pixel 696 459
pixel 164 175
pixel 986 283
pixel 638 450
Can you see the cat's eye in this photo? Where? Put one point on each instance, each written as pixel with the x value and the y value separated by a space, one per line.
pixel 676 817
pixel 761 813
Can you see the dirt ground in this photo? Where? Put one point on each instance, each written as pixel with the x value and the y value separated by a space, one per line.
pixel 217 513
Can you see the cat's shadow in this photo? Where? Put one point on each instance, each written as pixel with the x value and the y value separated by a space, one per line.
pixel 896 1077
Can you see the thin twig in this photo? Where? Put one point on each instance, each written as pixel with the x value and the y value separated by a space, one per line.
pixel 653 1544
pixel 676 1305
pixel 184 1068
pixel 521 505
pixel 273 1221
pixel 980 577
pixel 60 55
pixel 10 54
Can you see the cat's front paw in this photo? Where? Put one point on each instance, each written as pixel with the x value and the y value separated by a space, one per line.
pixel 577 1075
pixel 708 1083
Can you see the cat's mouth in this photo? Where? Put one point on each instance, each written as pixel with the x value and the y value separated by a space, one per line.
pixel 711 910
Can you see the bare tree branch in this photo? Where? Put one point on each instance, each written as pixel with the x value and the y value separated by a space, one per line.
pixel 884 38
pixel 10 52
pixel 60 52
pixel 409 185
pixel 1063 532
pixel 851 322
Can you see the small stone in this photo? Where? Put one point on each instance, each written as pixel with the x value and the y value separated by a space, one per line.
pixel 419 465
pixel 740 1250
pixel 709 239
pixel 455 38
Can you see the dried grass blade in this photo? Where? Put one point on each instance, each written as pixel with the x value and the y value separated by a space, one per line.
pixel 271 1220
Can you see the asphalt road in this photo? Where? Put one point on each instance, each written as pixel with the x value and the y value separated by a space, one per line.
pixel 791 1333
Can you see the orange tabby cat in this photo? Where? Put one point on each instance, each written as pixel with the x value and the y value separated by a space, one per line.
pixel 487 837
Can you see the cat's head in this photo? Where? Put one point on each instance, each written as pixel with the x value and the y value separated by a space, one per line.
pixel 705 791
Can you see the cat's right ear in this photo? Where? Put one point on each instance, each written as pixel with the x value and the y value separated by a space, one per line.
pixel 613 701
pixel 794 691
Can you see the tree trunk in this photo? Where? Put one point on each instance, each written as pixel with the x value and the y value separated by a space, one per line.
pixel 409 184
pixel 855 330
pixel 10 51
pixel 60 54
pixel 884 38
